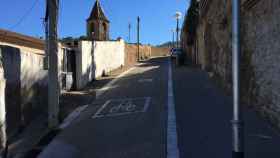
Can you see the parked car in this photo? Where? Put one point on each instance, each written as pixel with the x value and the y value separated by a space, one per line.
pixel 177 55
pixel 175 52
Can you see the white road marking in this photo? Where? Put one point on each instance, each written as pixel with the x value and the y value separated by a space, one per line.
pixel 145 80
pixel 111 83
pixel 261 136
pixel 100 109
pixel 76 113
pixel 123 108
pixel 172 141
pixel 147 104
pixel 59 149
pixel 72 116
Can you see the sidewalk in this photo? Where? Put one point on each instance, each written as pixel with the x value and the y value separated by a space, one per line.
pixel 203 120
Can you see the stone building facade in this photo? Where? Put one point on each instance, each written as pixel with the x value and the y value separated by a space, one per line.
pixel 98 25
pixel 260 33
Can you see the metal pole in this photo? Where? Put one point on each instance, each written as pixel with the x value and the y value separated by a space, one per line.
pixel 173 38
pixel 177 31
pixel 54 88
pixel 138 38
pixel 237 122
pixel 129 29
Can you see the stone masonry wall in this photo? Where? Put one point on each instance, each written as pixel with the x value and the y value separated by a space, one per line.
pixel 260 84
pixel 261 38
pixel 160 51
pixel 131 53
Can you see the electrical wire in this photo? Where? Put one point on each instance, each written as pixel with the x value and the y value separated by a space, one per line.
pixel 24 15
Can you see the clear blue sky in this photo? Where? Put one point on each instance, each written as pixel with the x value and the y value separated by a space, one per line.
pixel 156 17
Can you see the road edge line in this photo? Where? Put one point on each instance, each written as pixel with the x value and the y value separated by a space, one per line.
pixel 172 141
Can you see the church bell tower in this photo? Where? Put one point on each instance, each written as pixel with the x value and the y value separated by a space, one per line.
pixel 98 24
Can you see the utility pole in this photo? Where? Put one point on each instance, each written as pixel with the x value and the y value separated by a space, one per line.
pixel 177 33
pixel 173 38
pixel 53 84
pixel 138 38
pixel 237 121
pixel 129 31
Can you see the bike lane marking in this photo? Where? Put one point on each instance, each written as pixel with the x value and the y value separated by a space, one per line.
pixel 120 107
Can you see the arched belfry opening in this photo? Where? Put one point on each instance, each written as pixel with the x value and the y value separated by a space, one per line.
pixel 98 24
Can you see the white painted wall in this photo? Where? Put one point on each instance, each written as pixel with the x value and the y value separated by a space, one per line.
pixel 84 64
pixel 93 58
pixel 108 56
pixel 26 80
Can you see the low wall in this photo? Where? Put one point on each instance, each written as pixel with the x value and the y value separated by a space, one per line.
pixel 160 51
pixel 3 137
pixel 131 53
pixel 85 65
pixel 26 84
pixel 108 56
pixel 95 59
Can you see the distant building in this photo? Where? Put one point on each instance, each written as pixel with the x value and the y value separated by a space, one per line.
pixel 98 24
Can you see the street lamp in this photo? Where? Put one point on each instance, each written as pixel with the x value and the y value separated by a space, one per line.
pixel 178 16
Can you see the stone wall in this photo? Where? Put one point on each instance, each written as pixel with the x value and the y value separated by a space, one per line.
pixel 261 35
pixel 260 85
pixel 130 55
pixel 160 51
pixel 131 50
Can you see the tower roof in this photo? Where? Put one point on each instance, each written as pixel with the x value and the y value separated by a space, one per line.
pixel 97 13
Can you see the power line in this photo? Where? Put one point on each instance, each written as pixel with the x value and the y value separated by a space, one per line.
pixel 24 15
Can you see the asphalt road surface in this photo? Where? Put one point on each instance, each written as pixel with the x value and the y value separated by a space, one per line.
pixel 156 110
pixel 126 121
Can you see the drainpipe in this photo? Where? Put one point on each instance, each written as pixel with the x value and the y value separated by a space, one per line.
pixel 237 122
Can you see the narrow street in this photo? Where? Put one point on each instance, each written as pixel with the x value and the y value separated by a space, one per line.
pixel 136 129
pixel 130 119
pixel 140 79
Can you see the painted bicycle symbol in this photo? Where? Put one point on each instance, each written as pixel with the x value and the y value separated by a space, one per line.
pixel 126 106
pixel 120 107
